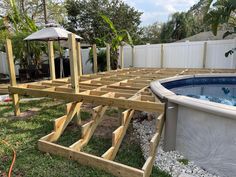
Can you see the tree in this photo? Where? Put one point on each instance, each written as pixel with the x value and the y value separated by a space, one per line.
pixel 17 26
pixel 151 34
pixel 34 10
pixel 176 28
pixel 84 18
pixel 115 38
pixel 221 12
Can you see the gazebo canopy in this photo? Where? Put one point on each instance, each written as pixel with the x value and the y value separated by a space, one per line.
pixel 50 34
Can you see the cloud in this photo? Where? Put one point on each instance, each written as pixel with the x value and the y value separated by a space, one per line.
pixel 159 10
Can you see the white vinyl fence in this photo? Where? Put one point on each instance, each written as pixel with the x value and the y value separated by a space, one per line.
pixel 208 54
pixel 4 65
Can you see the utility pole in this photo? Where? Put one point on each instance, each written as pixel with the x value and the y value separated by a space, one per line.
pixel 45 11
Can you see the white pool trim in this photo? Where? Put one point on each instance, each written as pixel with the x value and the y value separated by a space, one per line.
pixel 202 105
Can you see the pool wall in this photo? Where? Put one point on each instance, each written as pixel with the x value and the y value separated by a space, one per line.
pixel 203 131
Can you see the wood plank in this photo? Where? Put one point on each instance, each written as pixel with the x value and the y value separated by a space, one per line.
pixel 80 65
pixel 10 61
pixel 118 135
pixel 61 123
pixel 89 128
pixel 73 63
pixel 115 102
pixel 114 168
pixel 11 69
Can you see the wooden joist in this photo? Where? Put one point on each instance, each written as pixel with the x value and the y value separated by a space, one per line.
pixel 118 135
pixel 71 97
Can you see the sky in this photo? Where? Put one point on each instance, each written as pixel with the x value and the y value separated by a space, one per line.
pixel 159 10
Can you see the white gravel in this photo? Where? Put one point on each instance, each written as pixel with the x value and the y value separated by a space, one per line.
pixel 166 161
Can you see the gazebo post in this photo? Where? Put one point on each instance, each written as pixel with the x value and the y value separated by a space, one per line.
pixel 11 67
pixel 51 60
pixel 80 66
pixel 95 59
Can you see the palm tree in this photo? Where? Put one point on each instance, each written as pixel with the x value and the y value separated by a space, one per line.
pixel 217 13
pixel 220 12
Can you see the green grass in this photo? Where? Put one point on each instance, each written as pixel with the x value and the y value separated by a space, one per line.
pixel 112 112
pixel 183 161
pixel 85 115
pixel 23 134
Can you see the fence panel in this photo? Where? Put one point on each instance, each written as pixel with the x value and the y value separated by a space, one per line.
pixel 87 66
pixel 216 54
pixel 153 55
pixel 183 55
pixel 140 56
pixel 186 55
pixel 4 65
pixel 127 56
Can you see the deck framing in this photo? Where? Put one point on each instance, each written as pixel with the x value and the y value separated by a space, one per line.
pixel 124 88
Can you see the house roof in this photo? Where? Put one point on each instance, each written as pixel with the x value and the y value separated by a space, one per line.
pixel 206 36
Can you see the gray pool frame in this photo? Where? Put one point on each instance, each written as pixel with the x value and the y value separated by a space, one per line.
pixel 201 130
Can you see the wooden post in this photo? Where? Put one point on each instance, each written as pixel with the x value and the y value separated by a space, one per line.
pixel 11 67
pixel 95 59
pixel 51 60
pixel 122 57
pixel 73 64
pixel 108 56
pixel 162 56
pixel 204 55
pixel 80 65
pixel 133 56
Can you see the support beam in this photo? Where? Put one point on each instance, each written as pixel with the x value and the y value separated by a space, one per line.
pixel 108 57
pixel 79 58
pixel 51 60
pixel 73 64
pixel 11 67
pixel 61 123
pixel 93 99
pixel 147 167
pixel 118 135
pixel 89 128
pixel 95 59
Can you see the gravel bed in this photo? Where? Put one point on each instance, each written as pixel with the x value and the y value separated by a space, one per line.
pixel 172 162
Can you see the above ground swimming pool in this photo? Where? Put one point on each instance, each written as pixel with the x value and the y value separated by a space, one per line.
pixel 201 119
pixel 215 89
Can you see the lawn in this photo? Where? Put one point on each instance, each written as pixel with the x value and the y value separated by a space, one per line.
pixel 22 133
